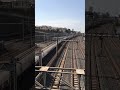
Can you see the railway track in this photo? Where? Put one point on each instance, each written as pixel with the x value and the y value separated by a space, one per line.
pixel 70 60
pixel 76 83
pixel 58 75
pixel 71 56
pixel 102 68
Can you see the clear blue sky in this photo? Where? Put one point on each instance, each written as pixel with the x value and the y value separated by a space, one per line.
pixel 61 13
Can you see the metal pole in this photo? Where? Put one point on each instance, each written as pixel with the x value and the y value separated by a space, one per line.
pixel 23 30
pixel 15 76
pixel 3 45
pixel 45 80
pixel 79 76
pixel 40 58
pixel 57 48
pixel 72 66
pixel 101 39
pixel 44 37
pixel 30 35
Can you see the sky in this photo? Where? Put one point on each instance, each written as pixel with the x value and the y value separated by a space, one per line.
pixel 61 13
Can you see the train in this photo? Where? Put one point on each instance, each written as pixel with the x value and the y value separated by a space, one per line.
pixel 24 61
pixel 16 22
pixel 51 47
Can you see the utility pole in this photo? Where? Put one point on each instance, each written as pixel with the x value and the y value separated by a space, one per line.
pixel 57 47
pixel 44 37
pixel 23 30
pixel 40 57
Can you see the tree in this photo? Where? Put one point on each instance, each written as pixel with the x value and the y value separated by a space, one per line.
pixel 68 31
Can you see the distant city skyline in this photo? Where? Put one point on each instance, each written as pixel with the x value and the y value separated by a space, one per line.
pixel 61 13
